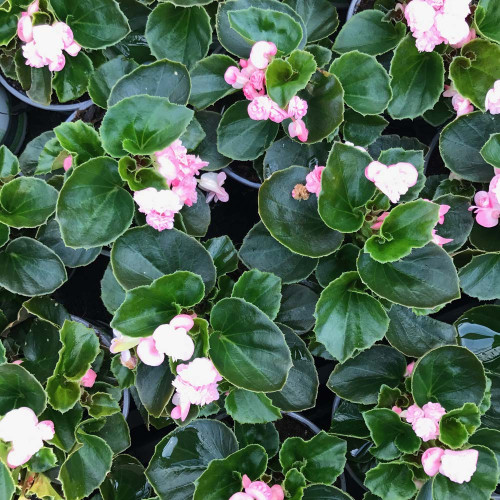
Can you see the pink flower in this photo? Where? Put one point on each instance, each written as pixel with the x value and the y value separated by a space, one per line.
pixel 313 180
pixel 495 186
pixel 298 129
pixel 487 208
pixel 431 461
pixel 277 114
pixel 459 8
pixel 25 28
pixel 392 180
pixel 148 353
pixel 379 220
pixel 425 41
pixel 443 210
pixel 185 189
pixel 260 108
pixel 258 79
pixel 212 183
pixel 196 383
pixel 397 410
pixel 470 36
pixel 127 360
pixel 251 92
pixel 160 207
pixel 433 411
pixel 17 362
pixel 88 379
pixel 262 53
pixel 410 366
pixel 173 340
pixel 258 490
pixel 453 28
pixel 439 240
pixel 459 466
pixel 426 428
pixel 21 428
pixel 419 15
pixel 460 104
pixel 413 413
pixel 67 163
pixel 492 102
pixel 235 78
pixel 297 108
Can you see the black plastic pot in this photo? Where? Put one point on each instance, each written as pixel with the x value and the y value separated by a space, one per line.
pixel 13 122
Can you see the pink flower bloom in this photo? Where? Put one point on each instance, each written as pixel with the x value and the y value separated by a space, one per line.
pixel 459 466
pixel 25 28
pixel 173 340
pixel 495 187
pixel 313 180
pixel 251 92
pixel 260 108
pixel 21 428
pixel 453 28
pixel 297 108
pixel 127 360
pixel 122 343
pixel 65 33
pixel 379 220
pixel 17 362
pixel 392 180
pixel 73 49
pixel 436 4
pixel 196 383
pixel 67 163
pixel 459 8
pixel 487 209
pixel 212 183
pixel 439 240
pixel 470 36
pixel 34 7
pixel 160 207
pixel 419 15
pixel 425 41
pixel 277 115
pixel 233 77
pixel 410 366
pixel 443 210
pixel 426 428
pixel 148 353
pixel 460 104
pixel 88 379
pixel 413 413
pixel 492 102
pixel 431 461
pixel 397 410
pixel 186 190
pixel 258 490
pixel 298 129
pixel 433 411
pixel 262 53
pixel 258 79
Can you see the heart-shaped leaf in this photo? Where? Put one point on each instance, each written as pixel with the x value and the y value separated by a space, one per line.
pixel 481 277
pixel 249 407
pixel 391 481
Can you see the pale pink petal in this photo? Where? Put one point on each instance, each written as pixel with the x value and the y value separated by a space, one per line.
pixel 260 108
pixel 492 101
pixel 25 28
pixel 46 429
pixel 73 49
pixel 14 423
pixel 148 354
pixel 259 490
pixel 277 492
pixel 88 379
pixel 246 481
pixel 67 163
pixel 426 428
pixel 182 321
pixel 434 411
pixel 174 342
pixel 313 180
pixel 241 496
pixel 419 15
pixel 459 466
pixel 298 129
pixel 58 63
pixel 34 7
pixel 64 32
pixel 397 409
pixel 413 413
pixel 18 456
pixel 373 170
pixel 431 461
pixel 262 53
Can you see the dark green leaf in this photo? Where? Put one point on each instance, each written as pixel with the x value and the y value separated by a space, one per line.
pixel 481 277
pixel 80 139
pixel 392 481
pixel 297 307
pixel 72 81
pixel 249 407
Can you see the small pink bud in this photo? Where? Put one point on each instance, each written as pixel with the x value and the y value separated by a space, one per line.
pixel 88 379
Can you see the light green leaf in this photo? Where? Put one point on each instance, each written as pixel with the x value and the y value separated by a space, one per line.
pixel 248 407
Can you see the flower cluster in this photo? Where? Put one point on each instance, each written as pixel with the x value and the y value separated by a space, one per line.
pixel 196 384
pixel 487 207
pixel 458 466
pixel 258 490
pixel 45 43
pixel 425 420
pixel 179 170
pixel 460 104
pixel 433 22
pixel 22 428
pixel 252 79
pixel 492 101
pixel 392 180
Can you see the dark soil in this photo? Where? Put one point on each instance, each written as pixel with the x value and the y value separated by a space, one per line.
pixel 92 115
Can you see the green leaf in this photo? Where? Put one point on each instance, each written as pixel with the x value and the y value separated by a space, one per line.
pixel 161 78
pixel 457 425
pixel 124 376
pixel 196 218
pixel 475 71
pixel 345 189
pixel 348 320
pixel 263 290
pixel 393 481
pixel 264 434
pixel 7 486
pixel 222 477
pixel 93 208
pixel 182 456
pixel 481 277
pixel 407 226
pixel 365 82
pixel 85 469
pixel 487 20
pixel 207 149
pixel 247 348
pixel 235 123
pixel 284 78
pixel 359 379
pixel 50 236
pixel 179 34
pixel 51 158
pixel 193 135
pixel 491 150
pixel 331 267
pixel 43 460
pixel 362 130
pixel 80 346
pixel 102 404
pixel 320 459
pixel 96 24
pixel 41 86
pixel 142 125
pixel 115 432
pixel 126 480
pixel 325 106
pixel 415 335
pixel 9 164
pixel 295 224
pixel 80 139
pixel 223 253
pixel 112 294
pixel 207 80
pixel 301 386
pixel 347 420
pixel 417 80
pixel 27 202
pixel 65 425
pixel 154 386
pixel 261 251
pixel 8 25
pixel 297 308
pixel 449 375
pixel 391 436
pixel 492 417
pixel 72 81
pixel 28 161
pixel 461 141
pixel 367 32
pixel 490 438
pixel 425 278
pixel 29 268
pixel 321 54
pixel 249 407
pixel 235 43
pixel 103 78
pixel 481 485
pixel 143 254
pixel 324 492
pixel 19 388
pixel 149 306
pixel 320 16
pixel 48 310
